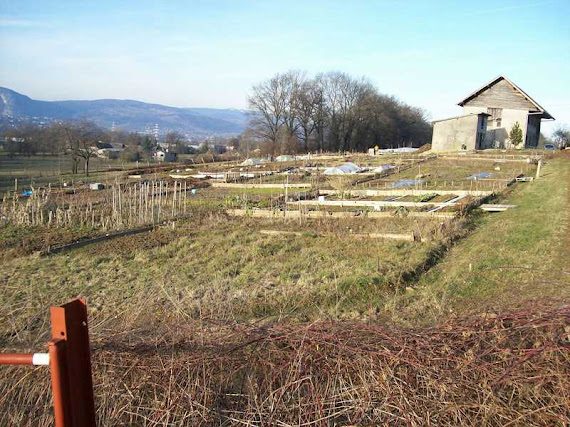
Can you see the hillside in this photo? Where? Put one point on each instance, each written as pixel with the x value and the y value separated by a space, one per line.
pixel 128 115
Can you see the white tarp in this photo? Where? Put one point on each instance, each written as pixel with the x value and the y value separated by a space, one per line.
pixel 284 158
pixel 342 169
pixel 382 168
pixel 251 162
pixel 398 150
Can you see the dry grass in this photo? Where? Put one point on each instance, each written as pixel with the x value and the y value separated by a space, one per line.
pixel 511 368
pixel 216 266
pixel 210 322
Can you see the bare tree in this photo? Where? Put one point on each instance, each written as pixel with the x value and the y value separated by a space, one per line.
pixel 269 102
pixel 80 143
pixel 335 110
pixel 291 83
pixel 174 141
pixel 308 104
pixel 561 137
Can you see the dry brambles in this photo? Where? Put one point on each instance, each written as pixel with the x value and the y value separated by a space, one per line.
pixel 511 368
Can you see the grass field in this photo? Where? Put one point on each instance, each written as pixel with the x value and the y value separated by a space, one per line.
pixel 40 170
pixel 207 320
pixel 221 269
pixel 510 258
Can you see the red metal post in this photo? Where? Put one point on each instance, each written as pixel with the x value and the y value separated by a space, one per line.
pixel 72 361
pixel 16 359
pixel 59 383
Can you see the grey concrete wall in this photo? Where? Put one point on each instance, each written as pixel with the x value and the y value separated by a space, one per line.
pixel 456 134
pixel 498 136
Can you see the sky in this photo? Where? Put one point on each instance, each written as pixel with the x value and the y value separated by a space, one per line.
pixel 429 54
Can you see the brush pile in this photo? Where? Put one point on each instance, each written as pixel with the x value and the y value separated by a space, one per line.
pixel 511 368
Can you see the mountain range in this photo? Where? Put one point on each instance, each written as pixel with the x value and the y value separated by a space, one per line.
pixel 128 115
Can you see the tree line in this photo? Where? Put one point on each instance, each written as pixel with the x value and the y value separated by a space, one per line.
pixel 329 112
pixel 81 140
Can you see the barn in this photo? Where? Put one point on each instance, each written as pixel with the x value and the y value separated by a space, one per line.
pixel 504 104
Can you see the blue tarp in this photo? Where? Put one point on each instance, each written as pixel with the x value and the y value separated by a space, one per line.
pixel 405 183
pixel 480 176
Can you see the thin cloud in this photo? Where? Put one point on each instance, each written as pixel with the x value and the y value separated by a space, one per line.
pixel 507 8
pixel 22 23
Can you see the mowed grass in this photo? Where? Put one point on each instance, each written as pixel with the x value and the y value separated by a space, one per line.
pixel 217 269
pixel 520 254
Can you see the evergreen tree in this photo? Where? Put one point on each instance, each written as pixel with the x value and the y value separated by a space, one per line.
pixel 516 135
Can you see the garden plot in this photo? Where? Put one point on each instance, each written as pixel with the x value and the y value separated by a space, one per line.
pixel 391 228
pixel 448 174
pixel 247 197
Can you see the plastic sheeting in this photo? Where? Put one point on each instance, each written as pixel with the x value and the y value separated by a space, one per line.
pixel 398 150
pixel 383 168
pixel 251 162
pixel 480 175
pixel 345 168
pixel 405 183
pixel 284 158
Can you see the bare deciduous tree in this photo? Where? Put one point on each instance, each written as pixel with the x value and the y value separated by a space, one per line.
pixel 333 111
pixel 80 142
pixel 269 101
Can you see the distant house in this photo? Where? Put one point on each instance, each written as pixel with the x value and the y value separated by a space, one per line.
pixel 109 150
pixel 504 104
pixel 165 156
pixel 109 153
pixel 117 146
pixel 101 145
pixel 218 149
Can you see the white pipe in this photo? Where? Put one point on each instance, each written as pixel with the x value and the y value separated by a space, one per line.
pixel 40 359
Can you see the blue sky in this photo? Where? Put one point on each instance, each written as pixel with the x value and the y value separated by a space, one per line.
pixel 209 53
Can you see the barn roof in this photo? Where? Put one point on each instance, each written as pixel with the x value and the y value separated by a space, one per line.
pixel 493 82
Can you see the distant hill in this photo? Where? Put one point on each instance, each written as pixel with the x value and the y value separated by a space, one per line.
pixel 126 114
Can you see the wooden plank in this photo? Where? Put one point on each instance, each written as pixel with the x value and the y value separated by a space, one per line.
pixel 409 237
pixel 268 213
pixel 410 192
pixel 496 208
pixel 253 185
pixel 372 203
pixel 451 202
pixel 488 159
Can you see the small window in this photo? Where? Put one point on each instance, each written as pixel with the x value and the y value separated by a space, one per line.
pixel 498 122
pixel 496 113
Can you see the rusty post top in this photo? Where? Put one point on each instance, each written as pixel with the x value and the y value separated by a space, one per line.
pixel 69 324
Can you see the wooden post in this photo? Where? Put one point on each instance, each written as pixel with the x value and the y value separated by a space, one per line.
pixel 286 195
pixel 538 168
